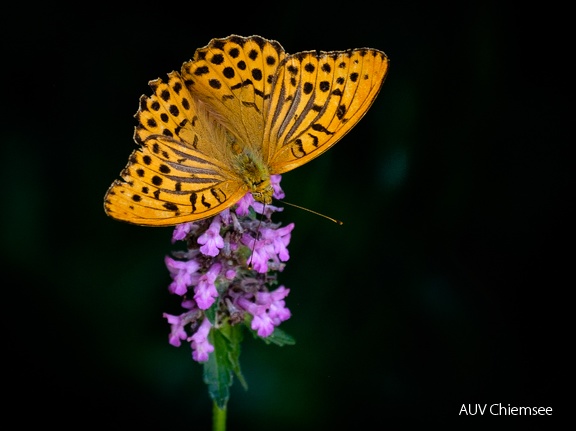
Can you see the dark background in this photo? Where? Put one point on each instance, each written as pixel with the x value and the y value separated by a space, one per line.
pixel 448 283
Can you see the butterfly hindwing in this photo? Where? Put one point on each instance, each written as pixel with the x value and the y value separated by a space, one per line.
pixel 177 174
pixel 166 184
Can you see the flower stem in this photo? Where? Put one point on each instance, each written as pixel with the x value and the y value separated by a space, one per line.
pixel 218 418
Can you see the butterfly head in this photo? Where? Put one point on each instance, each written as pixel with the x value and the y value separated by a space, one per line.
pixel 263 194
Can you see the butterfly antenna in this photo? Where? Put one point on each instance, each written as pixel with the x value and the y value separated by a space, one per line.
pixel 338 222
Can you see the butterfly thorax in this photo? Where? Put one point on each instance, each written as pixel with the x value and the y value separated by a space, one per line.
pixel 252 169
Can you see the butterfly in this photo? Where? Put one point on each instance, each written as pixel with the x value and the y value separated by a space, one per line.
pixel 241 110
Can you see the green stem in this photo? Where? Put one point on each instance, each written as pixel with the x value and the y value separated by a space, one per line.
pixel 218 418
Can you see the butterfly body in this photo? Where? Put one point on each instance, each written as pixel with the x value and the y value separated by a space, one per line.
pixel 255 174
pixel 239 111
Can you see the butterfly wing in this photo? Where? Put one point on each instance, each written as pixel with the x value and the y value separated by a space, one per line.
pixel 317 98
pixel 233 77
pixel 178 174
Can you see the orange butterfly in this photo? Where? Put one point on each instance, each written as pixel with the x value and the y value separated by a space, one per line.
pixel 239 111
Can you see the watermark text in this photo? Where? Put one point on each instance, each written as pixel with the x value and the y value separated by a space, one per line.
pixel 499 409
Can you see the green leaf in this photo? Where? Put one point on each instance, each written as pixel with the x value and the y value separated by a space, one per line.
pixel 211 312
pixel 217 370
pixel 223 362
pixel 234 335
pixel 279 337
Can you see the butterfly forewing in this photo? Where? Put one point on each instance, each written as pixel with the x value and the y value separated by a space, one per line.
pixel 365 75
pixel 317 99
pixel 233 76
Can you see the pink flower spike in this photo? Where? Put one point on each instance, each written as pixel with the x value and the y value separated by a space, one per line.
pixel 211 276
pixel 211 241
